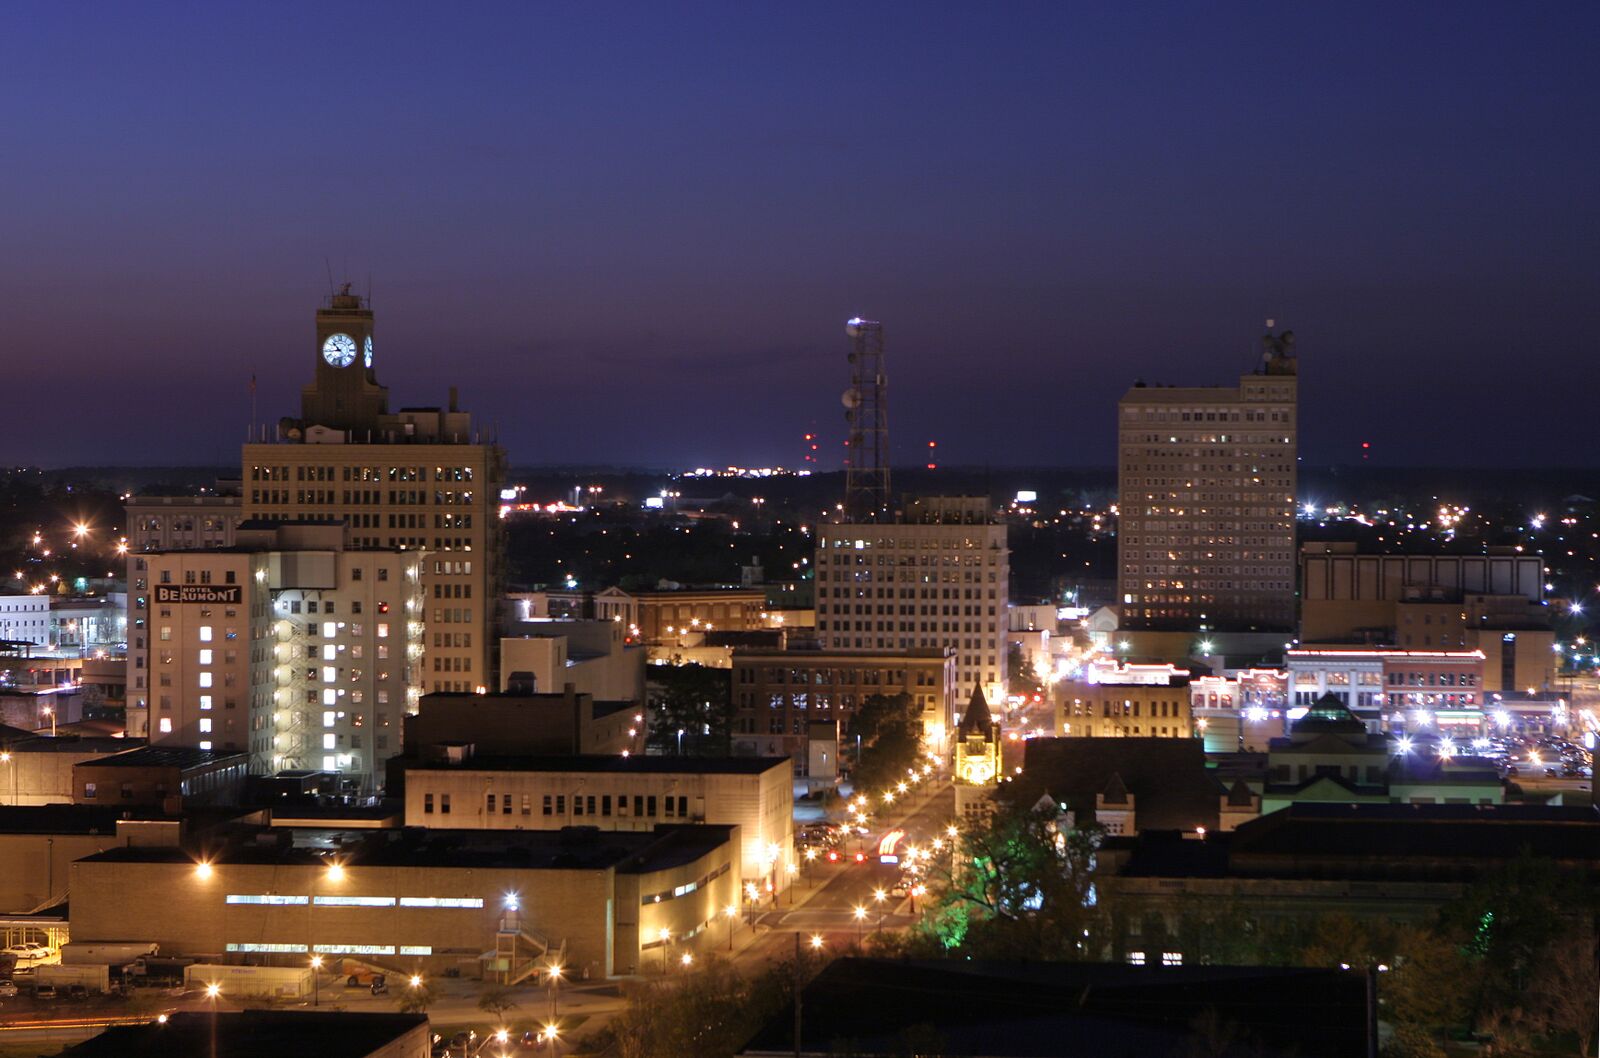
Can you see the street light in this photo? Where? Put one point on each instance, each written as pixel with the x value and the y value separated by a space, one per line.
pixel 861 916
pixel 555 980
pixel 879 896
pixel 732 911
pixel 687 959
pixel 316 980
pixel 666 938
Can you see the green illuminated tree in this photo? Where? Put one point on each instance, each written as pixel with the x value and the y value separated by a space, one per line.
pixel 1020 885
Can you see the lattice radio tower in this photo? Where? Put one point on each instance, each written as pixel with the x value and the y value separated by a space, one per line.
pixel 866 409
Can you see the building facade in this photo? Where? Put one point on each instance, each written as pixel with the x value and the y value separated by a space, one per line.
pixel 798 702
pixel 490 906
pixel 25 619
pixel 1126 701
pixel 420 479
pixel 288 646
pixel 182 523
pixel 1206 486
pixel 755 794
pixel 937 576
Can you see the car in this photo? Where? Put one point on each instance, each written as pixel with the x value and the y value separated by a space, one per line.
pixel 28 949
pixel 900 889
pixel 8 989
pixel 45 992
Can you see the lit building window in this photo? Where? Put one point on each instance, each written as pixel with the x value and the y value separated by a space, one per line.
pixel 205 633
pixel 166 725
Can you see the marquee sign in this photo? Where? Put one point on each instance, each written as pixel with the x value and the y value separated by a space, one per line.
pixel 205 593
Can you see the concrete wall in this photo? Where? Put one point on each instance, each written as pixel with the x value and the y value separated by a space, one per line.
pixel 37 866
pixel 762 806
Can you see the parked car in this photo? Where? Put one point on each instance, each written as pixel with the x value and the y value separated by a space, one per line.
pixel 8 989
pixel 45 992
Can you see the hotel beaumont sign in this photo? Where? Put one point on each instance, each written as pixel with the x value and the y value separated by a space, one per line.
pixel 198 593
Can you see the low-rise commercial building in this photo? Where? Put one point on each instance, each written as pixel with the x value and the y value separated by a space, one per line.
pixel 1126 701
pixel 38 844
pixel 168 777
pixel 597 658
pixel 485 904
pixel 633 793
pixel 797 702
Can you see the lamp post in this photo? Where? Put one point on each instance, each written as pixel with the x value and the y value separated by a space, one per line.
pixel 666 943
pixel 555 982
pixel 811 858
pixel 860 914
pixel 316 980
pixel 732 912
pixel 879 896
pixel 792 869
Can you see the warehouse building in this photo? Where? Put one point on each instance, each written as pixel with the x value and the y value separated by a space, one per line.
pixel 495 905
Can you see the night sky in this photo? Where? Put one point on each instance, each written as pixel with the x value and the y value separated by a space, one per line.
pixel 631 233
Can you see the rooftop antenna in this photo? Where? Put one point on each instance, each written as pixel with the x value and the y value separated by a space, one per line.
pixel 329 266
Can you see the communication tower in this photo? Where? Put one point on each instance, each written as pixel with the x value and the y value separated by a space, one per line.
pixel 866 409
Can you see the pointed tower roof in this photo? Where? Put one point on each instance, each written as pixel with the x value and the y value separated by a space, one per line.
pixel 1116 791
pixel 1329 715
pixel 1240 795
pixel 976 720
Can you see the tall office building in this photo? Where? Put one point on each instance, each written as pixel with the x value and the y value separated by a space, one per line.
pixel 288 645
pixel 416 479
pixel 1206 487
pixel 936 576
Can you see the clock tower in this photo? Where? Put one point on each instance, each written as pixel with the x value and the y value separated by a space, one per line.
pixel 977 755
pixel 345 394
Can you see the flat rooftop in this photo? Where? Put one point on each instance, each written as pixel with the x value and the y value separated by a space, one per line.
pixel 165 756
pixel 612 765
pixel 254 1034
pixel 70 819
pixel 572 848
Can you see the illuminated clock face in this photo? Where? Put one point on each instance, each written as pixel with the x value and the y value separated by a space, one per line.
pixel 339 350
pixel 366 352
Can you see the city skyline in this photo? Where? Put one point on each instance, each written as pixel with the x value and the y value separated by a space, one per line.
pixel 573 217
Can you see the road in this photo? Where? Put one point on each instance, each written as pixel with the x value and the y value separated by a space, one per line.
pixel 826 903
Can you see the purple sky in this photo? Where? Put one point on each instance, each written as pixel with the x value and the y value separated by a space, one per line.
pixel 632 232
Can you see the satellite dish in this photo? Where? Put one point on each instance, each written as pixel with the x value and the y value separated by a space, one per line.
pixel 851 399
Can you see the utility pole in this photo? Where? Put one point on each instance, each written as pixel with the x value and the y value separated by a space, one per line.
pixel 797 986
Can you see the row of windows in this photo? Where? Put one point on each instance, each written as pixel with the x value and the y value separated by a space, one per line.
pixel 332 949
pixel 303 472
pixel 685 889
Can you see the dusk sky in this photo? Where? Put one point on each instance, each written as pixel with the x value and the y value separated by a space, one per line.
pixel 631 233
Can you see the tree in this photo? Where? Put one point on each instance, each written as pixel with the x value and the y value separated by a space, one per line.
pixel 417 1000
pixel 1561 995
pixel 709 1014
pixel 1020 885
pixel 889 727
pixel 497 1001
pixel 1431 983
pixel 695 700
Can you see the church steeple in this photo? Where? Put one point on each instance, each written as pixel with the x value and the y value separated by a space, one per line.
pixel 977 756
pixel 976 720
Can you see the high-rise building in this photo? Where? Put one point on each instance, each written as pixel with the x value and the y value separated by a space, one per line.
pixel 1206 491
pixel 417 479
pixel 286 645
pixel 937 575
